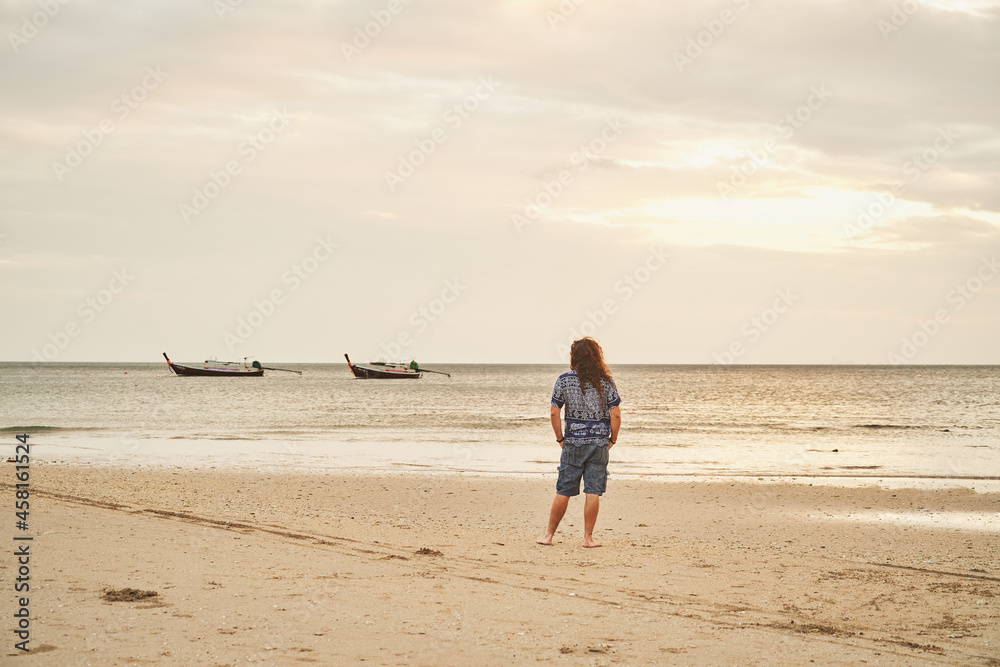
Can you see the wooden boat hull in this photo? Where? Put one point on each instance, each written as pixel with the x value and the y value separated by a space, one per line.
pixel 395 373
pixel 368 373
pixel 212 372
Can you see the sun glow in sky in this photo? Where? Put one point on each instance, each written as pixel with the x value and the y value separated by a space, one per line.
pixel 356 161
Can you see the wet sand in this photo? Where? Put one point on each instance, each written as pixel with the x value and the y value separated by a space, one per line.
pixel 410 569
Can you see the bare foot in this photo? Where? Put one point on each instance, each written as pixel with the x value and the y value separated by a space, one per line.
pixel 589 543
pixel 545 539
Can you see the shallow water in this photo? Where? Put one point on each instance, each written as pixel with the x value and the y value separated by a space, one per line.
pixel 788 421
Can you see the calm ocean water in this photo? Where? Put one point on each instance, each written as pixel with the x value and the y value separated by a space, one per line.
pixel 885 422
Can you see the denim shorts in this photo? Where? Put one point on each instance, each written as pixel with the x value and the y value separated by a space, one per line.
pixel 589 462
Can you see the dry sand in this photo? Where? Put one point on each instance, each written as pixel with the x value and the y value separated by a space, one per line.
pixel 411 569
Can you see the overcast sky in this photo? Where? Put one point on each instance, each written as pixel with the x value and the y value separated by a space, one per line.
pixel 748 181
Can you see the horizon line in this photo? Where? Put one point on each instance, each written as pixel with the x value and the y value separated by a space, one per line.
pixel 545 363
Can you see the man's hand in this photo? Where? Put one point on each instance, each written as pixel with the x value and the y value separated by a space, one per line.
pixel 616 424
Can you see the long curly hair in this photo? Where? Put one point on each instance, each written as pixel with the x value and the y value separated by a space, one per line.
pixel 587 359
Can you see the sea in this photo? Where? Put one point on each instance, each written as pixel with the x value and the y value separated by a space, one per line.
pixel 931 425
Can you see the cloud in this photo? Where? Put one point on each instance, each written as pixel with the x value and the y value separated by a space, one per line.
pixel 744 110
pixel 938 231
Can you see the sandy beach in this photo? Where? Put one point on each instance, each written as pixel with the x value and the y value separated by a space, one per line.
pixel 410 569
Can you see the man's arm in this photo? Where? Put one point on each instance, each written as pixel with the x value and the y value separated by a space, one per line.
pixel 556 423
pixel 616 423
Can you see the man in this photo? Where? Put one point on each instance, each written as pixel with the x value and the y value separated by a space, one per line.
pixel 593 418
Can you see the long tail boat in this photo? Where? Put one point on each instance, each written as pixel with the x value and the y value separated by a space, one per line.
pixel 214 368
pixel 389 370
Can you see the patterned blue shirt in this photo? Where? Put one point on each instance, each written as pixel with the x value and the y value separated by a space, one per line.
pixel 588 421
